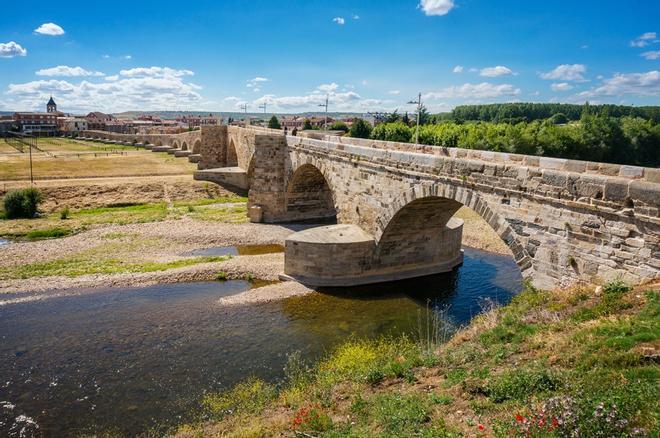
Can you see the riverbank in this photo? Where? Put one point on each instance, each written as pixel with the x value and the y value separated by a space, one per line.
pixel 579 362
pixel 143 244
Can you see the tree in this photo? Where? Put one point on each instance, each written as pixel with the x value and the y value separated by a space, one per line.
pixel 273 123
pixel 424 116
pixel 307 124
pixel 360 129
pixel 396 131
pixel 339 126
pixel 392 117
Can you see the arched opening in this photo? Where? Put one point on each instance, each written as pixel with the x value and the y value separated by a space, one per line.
pixel 197 147
pixel 250 171
pixel 308 195
pixel 232 155
pixel 158 143
pixel 184 146
pixel 175 144
pixel 419 231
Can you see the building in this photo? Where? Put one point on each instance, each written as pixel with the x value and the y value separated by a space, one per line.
pixel 6 125
pixel 36 123
pixel 198 121
pixel 51 106
pixel 72 124
pixel 96 121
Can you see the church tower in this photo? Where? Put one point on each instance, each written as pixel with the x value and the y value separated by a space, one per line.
pixel 51 106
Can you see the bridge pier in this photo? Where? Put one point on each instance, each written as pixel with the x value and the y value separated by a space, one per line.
pixel 345 255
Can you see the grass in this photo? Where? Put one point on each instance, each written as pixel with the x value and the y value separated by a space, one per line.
pixel 109 258
pixel 537 367
pixel 87 165
pixel 78 220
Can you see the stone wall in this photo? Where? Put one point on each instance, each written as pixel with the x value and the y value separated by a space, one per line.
pixel 561 225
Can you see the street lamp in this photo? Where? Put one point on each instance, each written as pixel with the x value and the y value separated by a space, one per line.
pixel 244 108
pixel 417 102
pixel 325 122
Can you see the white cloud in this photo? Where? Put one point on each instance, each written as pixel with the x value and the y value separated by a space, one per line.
pixel 436 7
pixel 484 90
pixel 339 20
pixel 342 101
pixel 644 40
pixel 127 57
pixel 562 86
pixel 566 72
pixel 50 29
pixel 152 88
pixel 65 70
pixel 584 46
pixel 395 92
pixel 356 17
pixel 637 84
pixel 327 88
pixel 255 82
pixel 106 56
pixel 491 72
pixel 155 72
pixel 651 55
pixel 112 78
pixel 458 69
pixel 11 49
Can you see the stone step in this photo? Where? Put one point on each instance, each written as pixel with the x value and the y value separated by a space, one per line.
pixel 173 151
pixel 194 158
pixel 232 176
pixel 182 153
pixel 161 149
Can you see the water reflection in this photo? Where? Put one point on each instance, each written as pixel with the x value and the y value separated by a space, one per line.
pixel 237 250
pixel 133 358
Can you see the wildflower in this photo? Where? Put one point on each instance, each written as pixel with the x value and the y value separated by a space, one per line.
pixel 519 418
pixel 481 426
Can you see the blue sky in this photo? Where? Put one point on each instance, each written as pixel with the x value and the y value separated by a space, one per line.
pixel 367 55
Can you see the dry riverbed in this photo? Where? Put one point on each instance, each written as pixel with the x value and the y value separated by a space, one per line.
pixel 154 250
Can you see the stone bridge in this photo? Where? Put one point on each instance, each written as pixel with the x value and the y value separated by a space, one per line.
pixel 564 221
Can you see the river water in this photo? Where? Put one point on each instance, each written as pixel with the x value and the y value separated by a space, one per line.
pixel 129 359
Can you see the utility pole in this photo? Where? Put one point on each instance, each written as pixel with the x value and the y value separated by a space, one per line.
pixel 325 122
pixel 418 102
pixel 244 108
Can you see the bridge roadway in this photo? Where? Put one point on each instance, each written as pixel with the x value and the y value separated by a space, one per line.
pixel 565 221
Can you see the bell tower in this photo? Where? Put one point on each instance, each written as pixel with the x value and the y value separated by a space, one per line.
pixel 51 106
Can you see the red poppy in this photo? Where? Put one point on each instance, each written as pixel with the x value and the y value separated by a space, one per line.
pixel 481 427
pixel 519 418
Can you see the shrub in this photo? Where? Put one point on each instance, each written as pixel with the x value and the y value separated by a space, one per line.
pixel 22 203
pixel 339 126
pixel 221 276
pixel 249 397
pixel 273 123
pixel 311 419
pixel 521 384
pixel 64 213
pixel 396 131
pixel 360 129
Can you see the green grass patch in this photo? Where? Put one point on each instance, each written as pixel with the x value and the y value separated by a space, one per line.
pixel 249 397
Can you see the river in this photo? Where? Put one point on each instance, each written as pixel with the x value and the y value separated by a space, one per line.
pixel 130 359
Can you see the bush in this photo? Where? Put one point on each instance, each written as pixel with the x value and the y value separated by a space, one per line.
pixel 360 129
pixel 521 384
pixel 396 131
pixel 64 213
pixel 22 203
pixel 339 126
pixel 273 123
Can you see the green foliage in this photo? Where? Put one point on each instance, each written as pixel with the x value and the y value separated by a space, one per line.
pixel 503 112
pixel 307 125
pixel 64 213
pixel 360 129
pixel 339 126
pixel 221 276
pixel 249 397
pixel 273 123
pixel 598 137
pixel 22 203
pixel 396 131
pixel 521 384
pixel 400 414
pixel 312 419
pixel 50 233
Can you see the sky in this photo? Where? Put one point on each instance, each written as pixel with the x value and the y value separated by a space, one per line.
pixel 367 55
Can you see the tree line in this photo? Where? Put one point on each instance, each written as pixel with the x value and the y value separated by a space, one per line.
pixel 593 137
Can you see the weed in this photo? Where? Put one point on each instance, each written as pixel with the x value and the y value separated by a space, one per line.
pixel 64 213
pixel 221 276
pixel 521 384
pixel 248 397
pixel 51 233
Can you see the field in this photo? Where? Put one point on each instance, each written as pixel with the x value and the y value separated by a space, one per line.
pixel 63 158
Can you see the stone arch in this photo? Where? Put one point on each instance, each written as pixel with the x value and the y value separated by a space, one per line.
pixel 250 170
pixel 184 146
pixel 308 194
pixel 175 144
pixel 158 143
pixel 232 155
pixel 421 201
pixel 197 147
